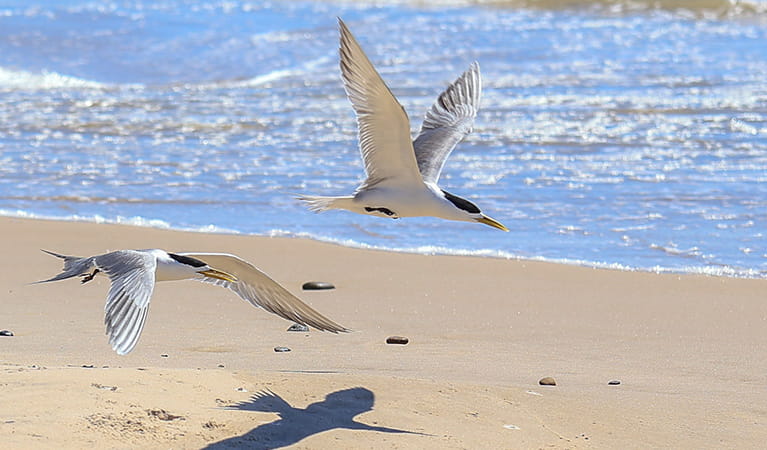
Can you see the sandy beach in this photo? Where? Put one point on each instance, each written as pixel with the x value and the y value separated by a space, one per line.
pixel 689 352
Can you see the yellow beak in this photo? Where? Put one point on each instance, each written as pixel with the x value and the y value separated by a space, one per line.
pixel 219 275
pixel 492 222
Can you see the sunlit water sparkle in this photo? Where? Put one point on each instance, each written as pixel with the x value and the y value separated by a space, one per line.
pixel 635 139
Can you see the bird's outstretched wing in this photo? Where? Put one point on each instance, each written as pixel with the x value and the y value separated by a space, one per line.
pixel 447 122
pixel 384 128
pixel 132 277
pixel 257 288
pixel 264 401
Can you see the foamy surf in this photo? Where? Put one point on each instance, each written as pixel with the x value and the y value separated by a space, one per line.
pixel 19 79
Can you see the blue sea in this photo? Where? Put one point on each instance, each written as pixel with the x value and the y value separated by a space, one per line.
pixel 627 134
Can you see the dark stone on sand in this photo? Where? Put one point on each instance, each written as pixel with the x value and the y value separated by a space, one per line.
pixel 298 327
pixel 547 381
pixel 614 382
pixel 401 340
pixel 281 349
pixel 164 355
pixel 6 333
pixel 317 286
pixel 221 366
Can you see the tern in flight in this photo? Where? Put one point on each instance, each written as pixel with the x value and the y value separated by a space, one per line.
pixel 133 274
pixel 402 174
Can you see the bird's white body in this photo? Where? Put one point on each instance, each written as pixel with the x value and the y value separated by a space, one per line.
pixel 426 200
pixel 402 174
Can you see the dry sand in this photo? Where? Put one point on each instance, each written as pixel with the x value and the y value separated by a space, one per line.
pixel 690 352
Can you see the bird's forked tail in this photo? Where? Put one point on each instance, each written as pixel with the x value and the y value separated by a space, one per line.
pixel 73 266
pixel 319 204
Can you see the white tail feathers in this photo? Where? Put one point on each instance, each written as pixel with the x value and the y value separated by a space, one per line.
pixel 319 204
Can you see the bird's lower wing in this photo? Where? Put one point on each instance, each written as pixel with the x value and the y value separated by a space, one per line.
pixel 257 288
pixel 132 277
pixel 447 122
pixel 384 128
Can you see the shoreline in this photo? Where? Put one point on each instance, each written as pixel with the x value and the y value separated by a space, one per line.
pixel 713 271
pixel 687 349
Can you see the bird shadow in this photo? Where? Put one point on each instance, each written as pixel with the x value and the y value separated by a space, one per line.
pixel 336 411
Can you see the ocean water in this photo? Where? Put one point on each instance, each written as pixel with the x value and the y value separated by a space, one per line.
pixel 623 134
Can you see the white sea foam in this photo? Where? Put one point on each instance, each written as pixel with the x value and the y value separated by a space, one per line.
pixel 20 79
pixel 135 221
pixel 491 253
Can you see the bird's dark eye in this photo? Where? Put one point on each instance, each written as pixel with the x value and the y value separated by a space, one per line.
pixel 194 262
pixel 461 203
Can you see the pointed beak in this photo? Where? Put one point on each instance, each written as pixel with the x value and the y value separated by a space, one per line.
pixel 492 222
pixel 219 275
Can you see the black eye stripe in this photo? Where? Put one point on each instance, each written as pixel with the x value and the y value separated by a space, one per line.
pixel 461 203
pixel 187 260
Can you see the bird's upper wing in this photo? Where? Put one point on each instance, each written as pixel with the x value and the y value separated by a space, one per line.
pixel 449 119
pixel 257 288
pixel 132 276
pixel 384 128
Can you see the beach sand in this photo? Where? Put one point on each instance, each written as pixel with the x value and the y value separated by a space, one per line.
pixel 690 353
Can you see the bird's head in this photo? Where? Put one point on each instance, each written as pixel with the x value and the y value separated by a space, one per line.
pixel 202 268
pixel 470 212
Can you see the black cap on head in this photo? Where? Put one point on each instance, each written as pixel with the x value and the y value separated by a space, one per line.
pixel 187 260
pixel 461 203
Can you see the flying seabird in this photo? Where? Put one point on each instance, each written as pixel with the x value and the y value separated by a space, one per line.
pixel 402 174
pixel 133 274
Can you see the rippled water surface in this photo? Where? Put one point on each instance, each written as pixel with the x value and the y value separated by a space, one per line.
pixel 634 137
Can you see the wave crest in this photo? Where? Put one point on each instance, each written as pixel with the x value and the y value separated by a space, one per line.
pixel 20 79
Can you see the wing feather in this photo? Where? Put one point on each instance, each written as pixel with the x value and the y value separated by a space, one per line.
pixel 258 289
pixel 383 126
pixel 447 122
pixel 132 276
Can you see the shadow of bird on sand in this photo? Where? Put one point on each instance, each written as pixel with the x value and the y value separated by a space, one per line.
pixel 338 410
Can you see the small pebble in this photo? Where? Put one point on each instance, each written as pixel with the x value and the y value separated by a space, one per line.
pixel 317 286
pixel 163 355
pixel 614 382
pixel 221 366
pixel 397 340
pixel 6 333
pixel 547 381
pixel 298 327
pixel 281 349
